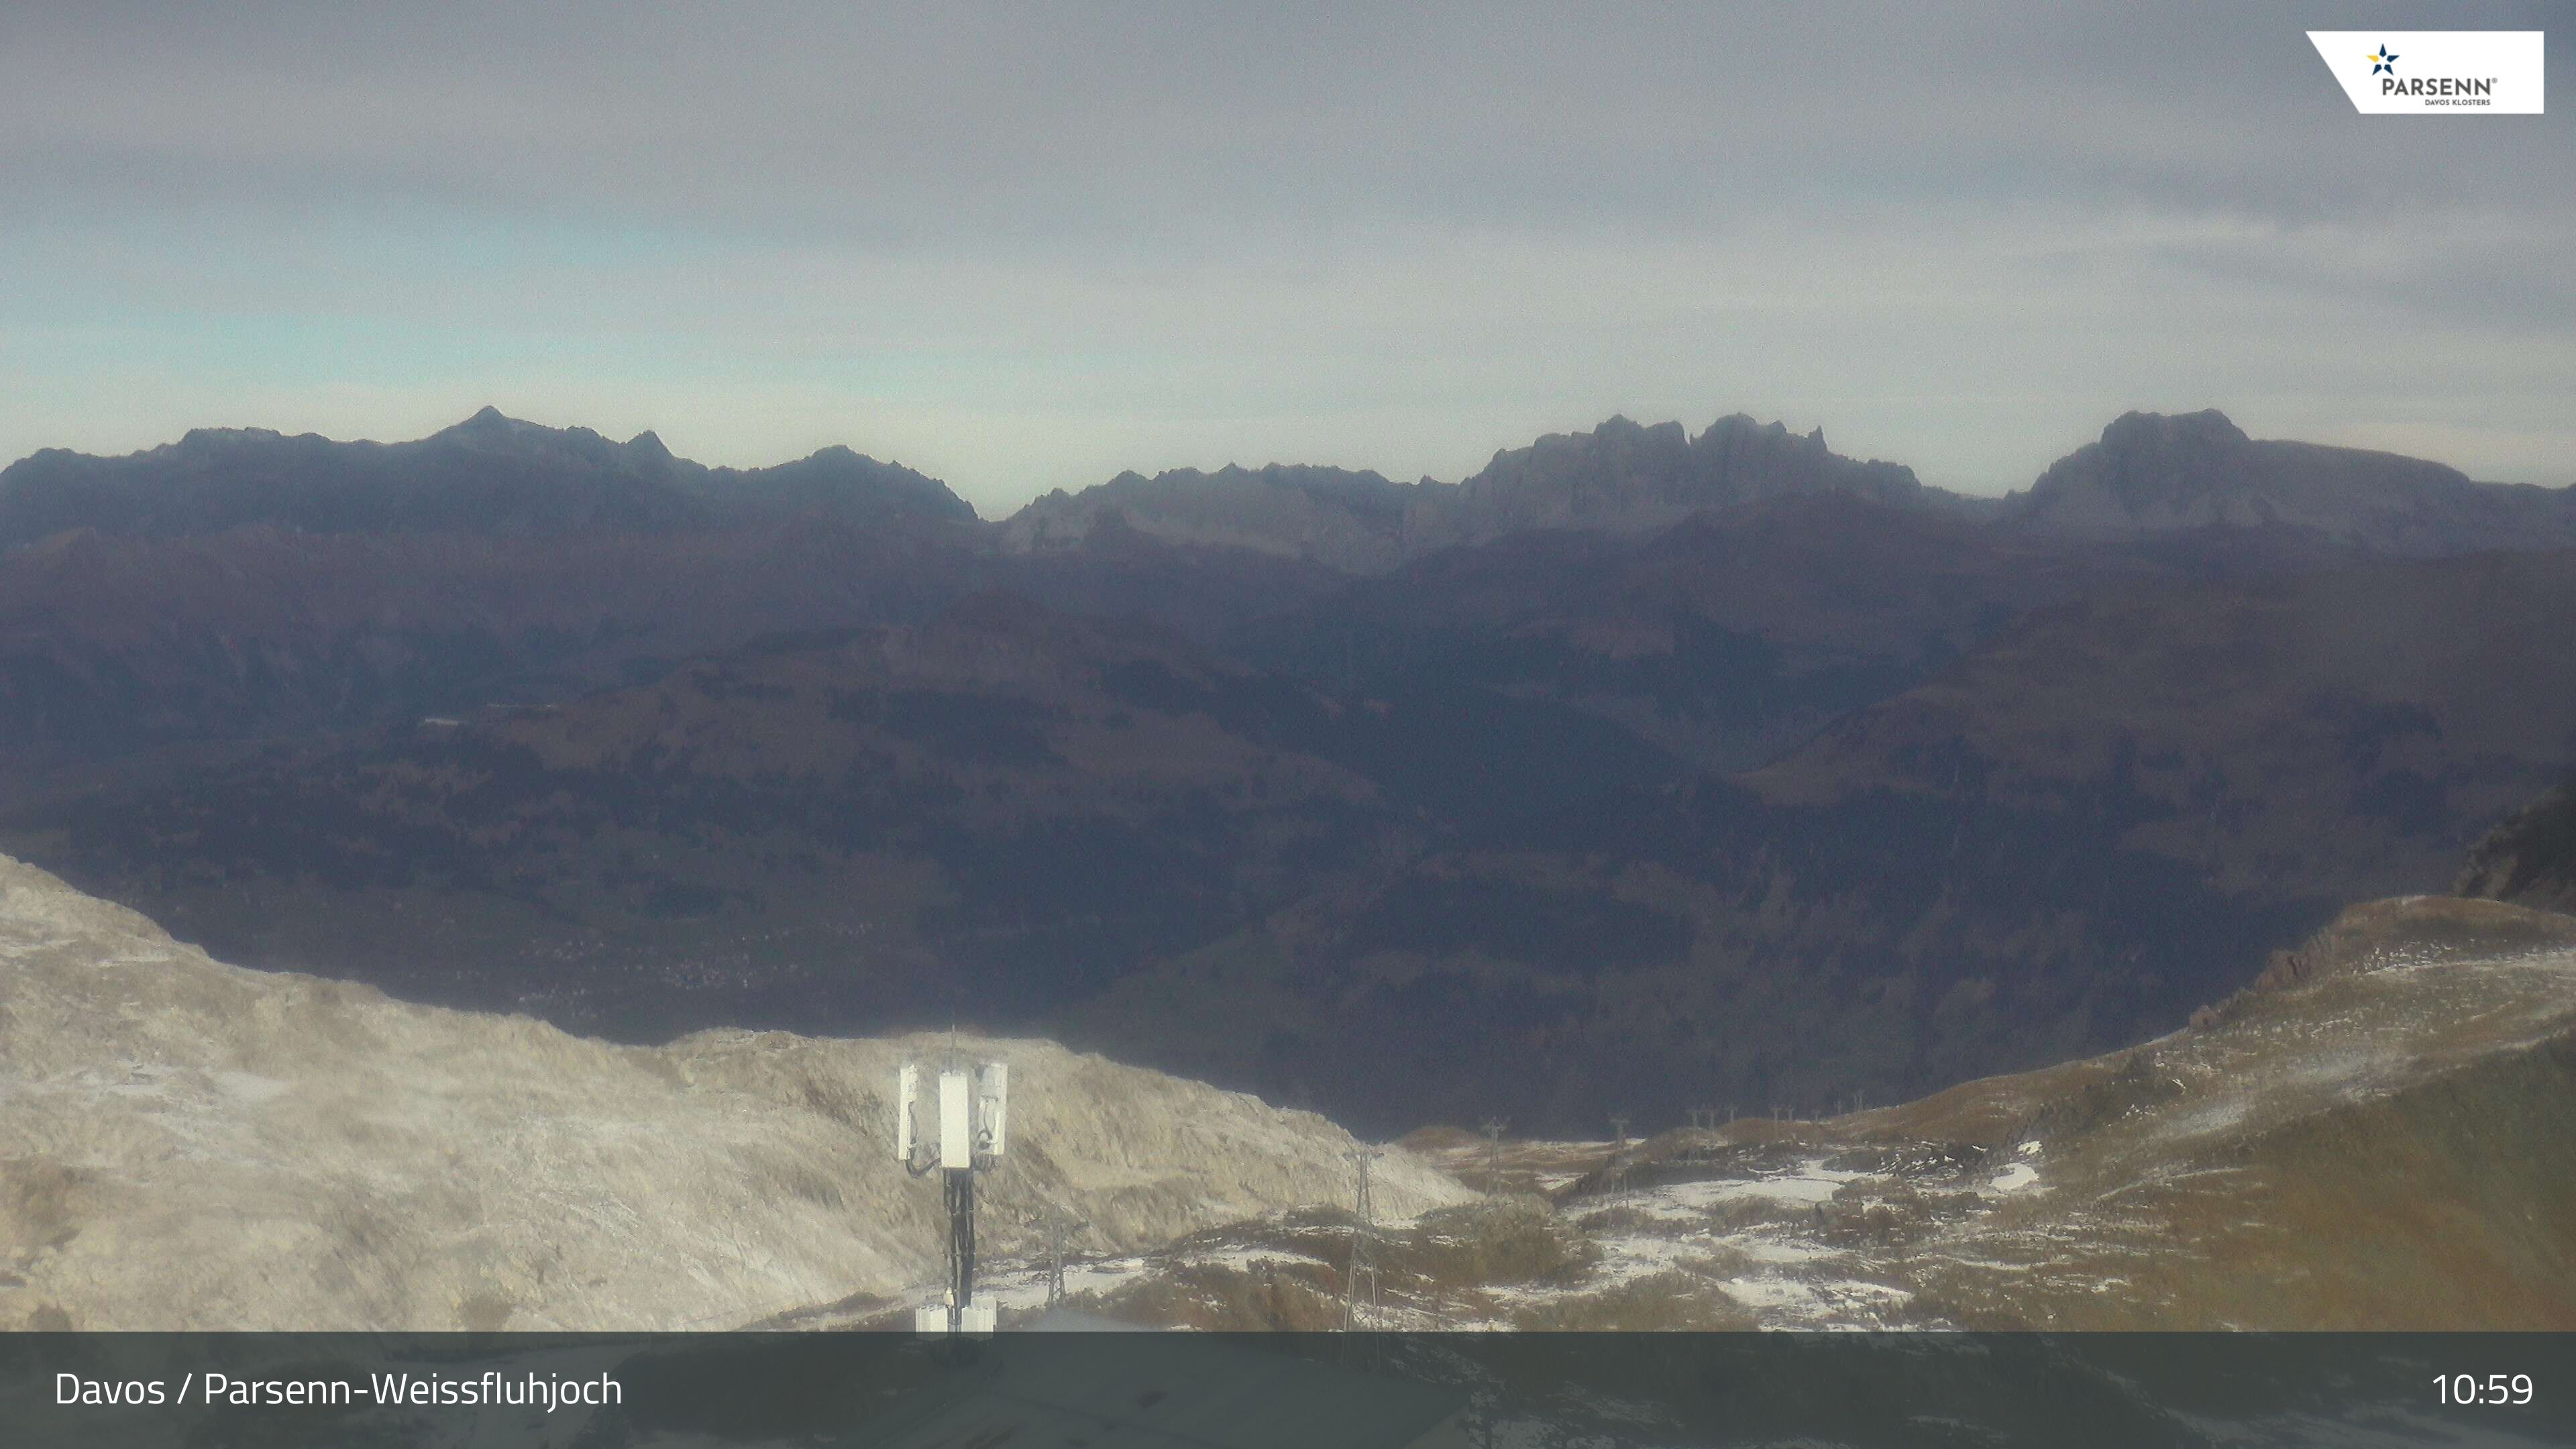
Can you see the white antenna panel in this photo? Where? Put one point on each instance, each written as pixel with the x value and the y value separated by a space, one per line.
pixel 956 1121
pixel 907 1090
pixel 992 1105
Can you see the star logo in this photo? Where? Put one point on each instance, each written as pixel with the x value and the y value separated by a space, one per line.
pixel 2383 61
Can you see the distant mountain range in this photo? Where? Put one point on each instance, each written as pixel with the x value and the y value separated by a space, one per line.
pixel 1638 764
pixel 2149 474
pixel 1618 478
pixel 487 475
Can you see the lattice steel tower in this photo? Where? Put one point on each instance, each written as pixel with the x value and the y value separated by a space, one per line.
pixel 1359 1289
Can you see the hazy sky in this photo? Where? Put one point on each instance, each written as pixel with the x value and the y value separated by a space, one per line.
pixel 1026 246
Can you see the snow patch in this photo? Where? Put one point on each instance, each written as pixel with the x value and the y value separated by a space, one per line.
pixel 2015 1178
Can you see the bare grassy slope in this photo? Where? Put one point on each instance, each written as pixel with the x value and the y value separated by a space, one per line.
pixel 186 1144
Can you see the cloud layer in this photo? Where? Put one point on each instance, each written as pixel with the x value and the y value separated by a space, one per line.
pixel 1027 246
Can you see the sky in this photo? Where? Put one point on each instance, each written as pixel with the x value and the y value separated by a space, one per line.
pixel 1023 247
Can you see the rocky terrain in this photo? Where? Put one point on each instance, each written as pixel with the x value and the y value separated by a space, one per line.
pixel 2373 1136
pixel 2370 1136
pixel 2529 859
pixel 186 1144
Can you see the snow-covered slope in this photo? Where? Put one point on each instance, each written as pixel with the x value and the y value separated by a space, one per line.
pixel 186 1144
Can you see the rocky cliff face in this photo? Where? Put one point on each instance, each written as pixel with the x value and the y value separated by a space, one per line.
pixel 1624 478
pixel 189 1145
pixel 2529 859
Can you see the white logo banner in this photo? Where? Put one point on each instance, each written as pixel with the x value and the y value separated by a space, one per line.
pixel 2435 72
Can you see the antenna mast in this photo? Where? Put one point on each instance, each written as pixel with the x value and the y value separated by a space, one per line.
pixel 964 1138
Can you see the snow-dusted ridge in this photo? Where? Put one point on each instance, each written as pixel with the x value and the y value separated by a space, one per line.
pixel 2381 1134
pixel 187 1144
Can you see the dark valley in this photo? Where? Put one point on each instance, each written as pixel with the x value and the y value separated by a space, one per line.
pixel 1638 771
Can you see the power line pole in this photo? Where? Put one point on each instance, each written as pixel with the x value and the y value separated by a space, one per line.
pixel 1614 1173
pixel 1059 1224
pixel 1494 1154
pixel 1359 1305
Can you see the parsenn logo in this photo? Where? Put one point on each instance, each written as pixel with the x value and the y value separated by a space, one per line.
pixel 2448 72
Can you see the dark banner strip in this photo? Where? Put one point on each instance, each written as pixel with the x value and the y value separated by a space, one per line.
pixel 1100 1389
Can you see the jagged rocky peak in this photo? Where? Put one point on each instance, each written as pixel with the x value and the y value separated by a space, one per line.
pixel 208 439
pixel 2133 432
pixel 1618 448
pixel 1621 476
pixel 1626 477
pixel 1758 459
pixel 2156 473
pixel 2157 458
pixel 1735 428
pixel 494 431
pixel 489 425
